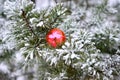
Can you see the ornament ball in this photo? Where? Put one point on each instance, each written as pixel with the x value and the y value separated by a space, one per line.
pixel 55 38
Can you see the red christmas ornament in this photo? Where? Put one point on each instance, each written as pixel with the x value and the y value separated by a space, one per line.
pixel 55 37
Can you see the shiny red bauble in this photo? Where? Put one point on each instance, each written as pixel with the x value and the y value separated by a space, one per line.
pixel 55 38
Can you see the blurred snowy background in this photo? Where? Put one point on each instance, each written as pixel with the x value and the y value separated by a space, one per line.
pixel 9 69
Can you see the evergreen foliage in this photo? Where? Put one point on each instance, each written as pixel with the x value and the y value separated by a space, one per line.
pixel 91 51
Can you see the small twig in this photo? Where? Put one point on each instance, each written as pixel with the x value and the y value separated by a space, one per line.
pixel 27 22
pixel 30 28
pixel 57 17
pixel 87 4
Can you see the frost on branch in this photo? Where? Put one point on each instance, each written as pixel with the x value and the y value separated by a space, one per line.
pixel 13 8
pixel 91 50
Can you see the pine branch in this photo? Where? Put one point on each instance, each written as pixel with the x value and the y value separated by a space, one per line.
pixel 57 17
pixel 27 22
pixel 30 28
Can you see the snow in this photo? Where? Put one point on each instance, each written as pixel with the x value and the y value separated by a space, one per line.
pixel 113 2
pixel 4 68
pixel 40 4
pixel 40 23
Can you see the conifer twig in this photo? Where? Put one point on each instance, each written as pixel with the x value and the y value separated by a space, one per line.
pixel 57 17
pixel 27 22
pixel 30 28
